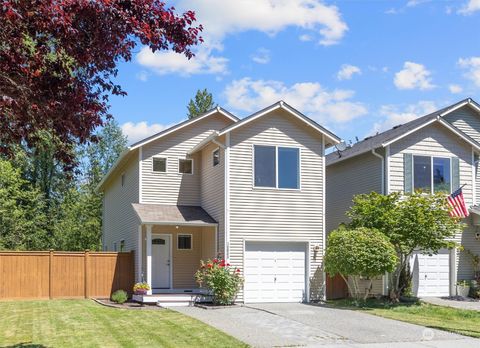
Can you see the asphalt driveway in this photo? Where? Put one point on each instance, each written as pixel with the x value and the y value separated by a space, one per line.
pixel 295 324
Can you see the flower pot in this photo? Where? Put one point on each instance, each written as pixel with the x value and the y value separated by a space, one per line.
pixel 141 292
pixel 463 290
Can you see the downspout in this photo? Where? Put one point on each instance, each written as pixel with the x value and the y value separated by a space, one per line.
pixel 382 168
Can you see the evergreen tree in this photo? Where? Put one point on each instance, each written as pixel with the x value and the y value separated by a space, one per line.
pixel 203 102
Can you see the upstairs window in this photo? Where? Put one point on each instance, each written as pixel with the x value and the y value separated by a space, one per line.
pixel 185 166
pixel 216 157
pixel 431 174
pixel 276 167
pixel 159 164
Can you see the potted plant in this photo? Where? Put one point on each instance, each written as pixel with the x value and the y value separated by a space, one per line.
pixel 141 288
pixel 463 288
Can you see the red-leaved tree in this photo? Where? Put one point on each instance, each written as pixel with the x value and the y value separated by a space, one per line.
pixel 58 59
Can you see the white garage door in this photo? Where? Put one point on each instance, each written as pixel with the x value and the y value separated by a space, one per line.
pixel 274 272
pixel 431 274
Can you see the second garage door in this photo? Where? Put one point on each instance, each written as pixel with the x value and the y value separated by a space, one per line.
pixel 274 272
pixel 431 274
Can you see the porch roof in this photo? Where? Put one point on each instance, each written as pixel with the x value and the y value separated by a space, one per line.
pixel 159 214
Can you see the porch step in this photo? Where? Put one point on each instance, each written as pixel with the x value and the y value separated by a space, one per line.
pixel 173 299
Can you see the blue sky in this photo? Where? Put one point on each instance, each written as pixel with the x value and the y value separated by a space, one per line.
pixel 356 67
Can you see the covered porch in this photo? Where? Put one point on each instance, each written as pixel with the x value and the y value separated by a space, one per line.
pixel 172 240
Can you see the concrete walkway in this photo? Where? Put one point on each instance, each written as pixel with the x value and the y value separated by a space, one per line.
pixel 295 324
pixel 461 303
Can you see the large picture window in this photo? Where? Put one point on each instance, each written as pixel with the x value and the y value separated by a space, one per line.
pixel 431 174
pixel 276 167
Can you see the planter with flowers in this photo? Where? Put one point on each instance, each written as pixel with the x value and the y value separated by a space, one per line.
pixel 141 288
pixel 222 280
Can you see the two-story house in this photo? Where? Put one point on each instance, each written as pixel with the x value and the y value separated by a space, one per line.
pixel 251 190
pixel 438 152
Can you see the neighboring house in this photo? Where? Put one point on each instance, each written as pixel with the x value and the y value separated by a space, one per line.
pixel 251 190
pixel 438 152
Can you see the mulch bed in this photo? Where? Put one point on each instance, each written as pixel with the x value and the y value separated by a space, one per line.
pixel 127 305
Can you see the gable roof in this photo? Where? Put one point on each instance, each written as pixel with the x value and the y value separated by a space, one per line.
pixel 396 133
pixel 172 214
pixel 333 139
pixel 129 151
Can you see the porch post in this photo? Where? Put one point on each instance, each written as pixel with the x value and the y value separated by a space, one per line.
pixel 139 254
pixel 149 257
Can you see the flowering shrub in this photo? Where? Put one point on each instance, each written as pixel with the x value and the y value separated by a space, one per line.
pixel 222 280
pixel 141 288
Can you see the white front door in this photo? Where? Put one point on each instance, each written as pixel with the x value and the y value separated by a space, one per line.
pixel 431 274
pixel 161 261
pixel 275 272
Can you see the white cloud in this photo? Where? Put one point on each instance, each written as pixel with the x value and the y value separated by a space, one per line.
pixel 261 56
pixel 141 130
pixel 142 76
pixel 455 89
pixel 305 37
pixel 413 76
pixel 166 62
pixel 310 98
pixel 221 18
pixel 470 7
pixel 414 3
pixel 347 71
pixel 472 67
pixel 395 115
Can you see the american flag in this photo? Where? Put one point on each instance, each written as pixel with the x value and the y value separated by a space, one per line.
pixel 456 201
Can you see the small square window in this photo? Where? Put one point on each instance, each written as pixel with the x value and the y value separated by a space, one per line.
pixel 184 242
pixel 159 164
pixel 185 166
pixel 216 157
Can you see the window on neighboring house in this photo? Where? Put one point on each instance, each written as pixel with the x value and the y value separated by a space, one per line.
pixel 159 164
pixel 431 174
pixel 114 246
pixel 184 241
pixel 123 179
pixel 122 245
pixel 185 166
pixel 216 157
pixel 277 167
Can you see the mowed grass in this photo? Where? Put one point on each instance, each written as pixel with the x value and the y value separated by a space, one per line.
pixel 84 323
pixel 464 322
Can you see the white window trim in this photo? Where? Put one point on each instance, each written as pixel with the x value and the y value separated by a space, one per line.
pixel 276 168
pixel 219 159
pixel 431 171
pixel 191 241
pixel 186 159
pixel 166 164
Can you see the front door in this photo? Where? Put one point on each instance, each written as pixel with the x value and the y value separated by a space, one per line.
pixel 161 261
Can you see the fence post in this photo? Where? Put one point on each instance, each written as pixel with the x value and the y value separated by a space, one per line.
pixel 50 276
pixel 87 253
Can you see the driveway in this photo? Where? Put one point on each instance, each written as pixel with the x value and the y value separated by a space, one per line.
pixel 296 324
pixel 455 302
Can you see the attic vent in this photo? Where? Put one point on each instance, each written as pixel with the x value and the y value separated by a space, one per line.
pixel 395 127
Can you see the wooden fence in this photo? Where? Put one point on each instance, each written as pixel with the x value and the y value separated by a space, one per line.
pixel 58 274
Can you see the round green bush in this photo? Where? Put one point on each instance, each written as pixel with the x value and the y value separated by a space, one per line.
pixel 120 296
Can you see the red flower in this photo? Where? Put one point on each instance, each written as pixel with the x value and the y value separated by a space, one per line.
pixel 209 265
pixel 228 264
pixel 238 270
pixel 215 261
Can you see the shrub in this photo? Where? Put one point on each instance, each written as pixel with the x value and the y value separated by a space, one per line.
pixel 220 279
pixel 120 296
pixel 360 253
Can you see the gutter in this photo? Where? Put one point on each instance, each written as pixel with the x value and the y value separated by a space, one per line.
pixel 383 169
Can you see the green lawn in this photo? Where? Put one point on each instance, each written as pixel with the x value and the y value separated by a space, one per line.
pixel 464 322
pixel 84 323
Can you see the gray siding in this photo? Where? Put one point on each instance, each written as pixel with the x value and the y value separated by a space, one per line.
pixel 171 187
pixel 120 221
pixel 213 190
pixel 361 174
pixel 467 120
pixel 435 140
pixel 277 215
